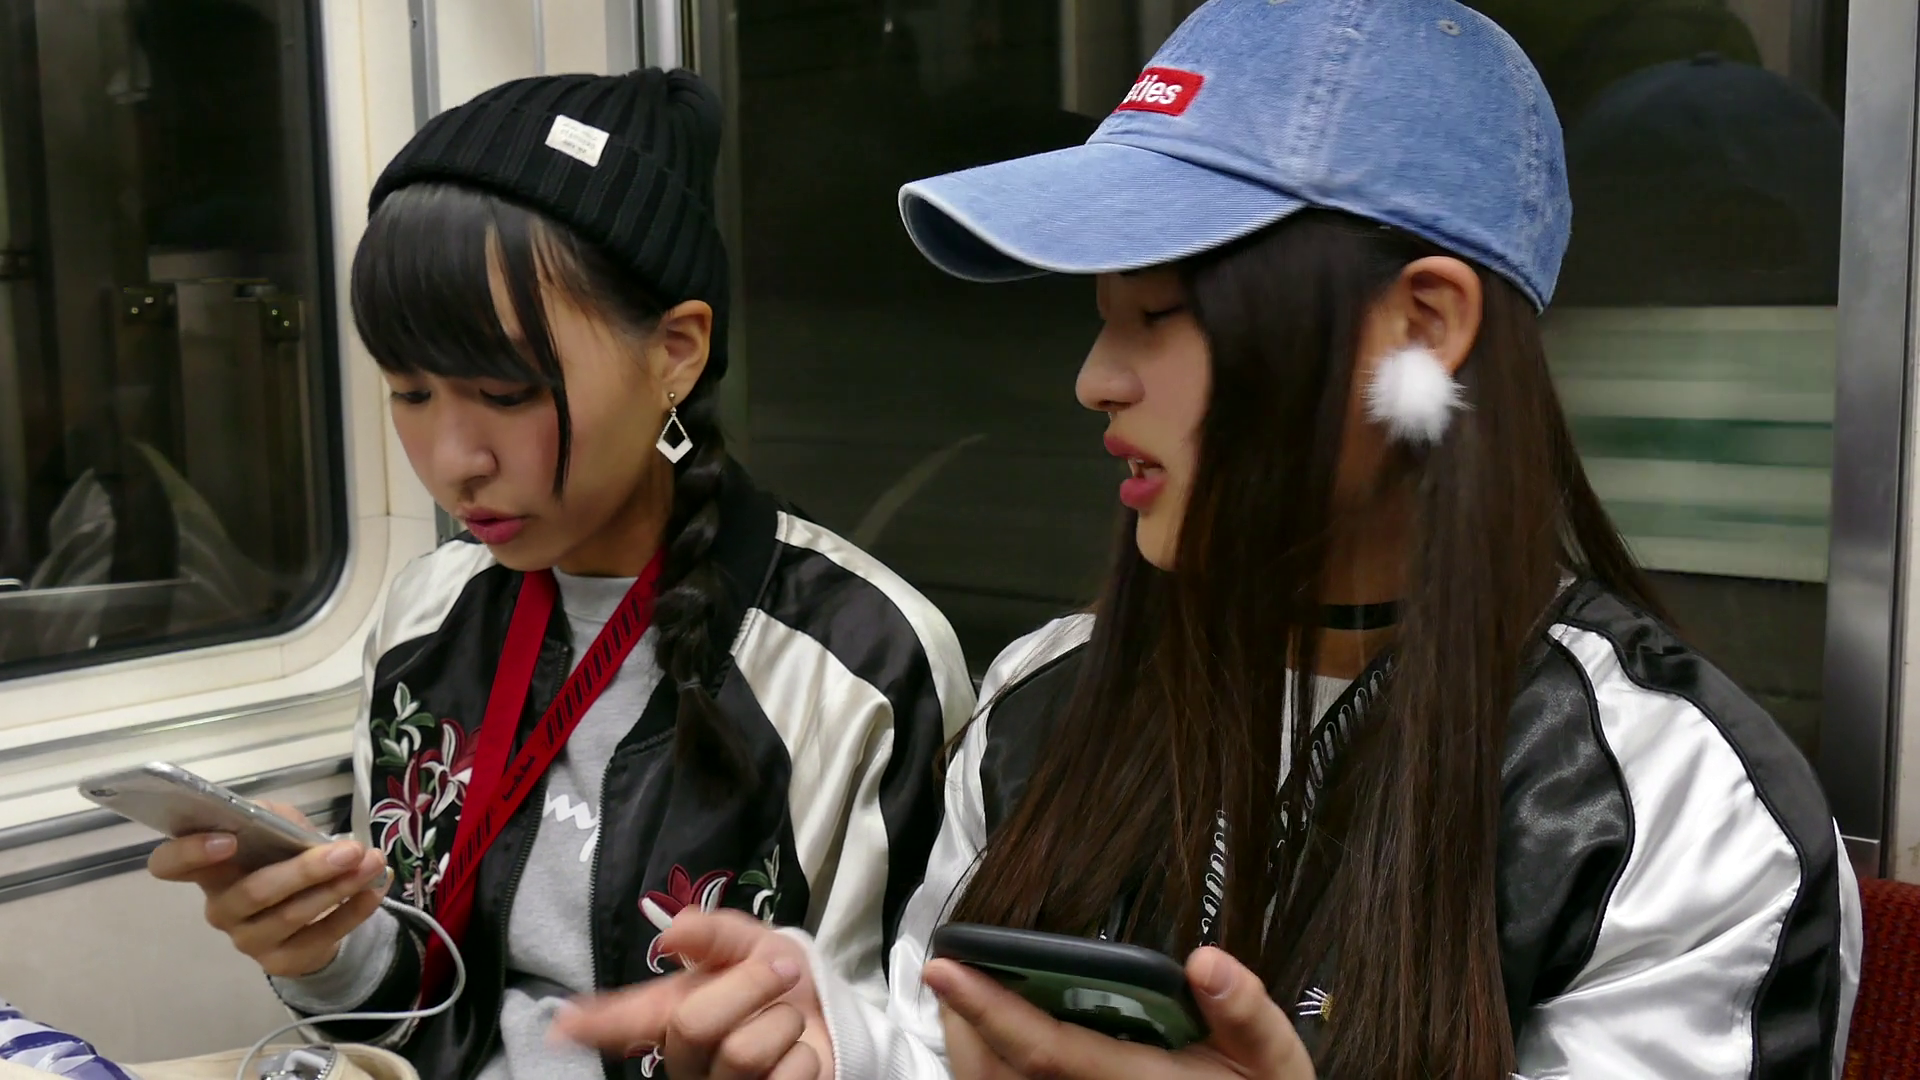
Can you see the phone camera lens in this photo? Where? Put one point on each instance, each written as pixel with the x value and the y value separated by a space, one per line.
pixel 104 793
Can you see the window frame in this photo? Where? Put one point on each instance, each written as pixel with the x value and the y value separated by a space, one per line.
pixel 328 467
pixel 361 86
pixel 1868 708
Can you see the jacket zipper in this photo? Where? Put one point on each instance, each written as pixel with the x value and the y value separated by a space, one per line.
pixel 593 873
pixel 593 887
pixel 539 798
pixel 593 878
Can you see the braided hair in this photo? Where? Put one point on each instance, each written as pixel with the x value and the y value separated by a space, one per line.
pixel 690 645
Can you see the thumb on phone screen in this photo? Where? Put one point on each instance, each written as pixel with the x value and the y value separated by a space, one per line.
pixel 1247 1027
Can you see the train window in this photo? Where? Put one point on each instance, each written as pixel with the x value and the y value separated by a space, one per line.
pixel 166 403
pixel 1693 338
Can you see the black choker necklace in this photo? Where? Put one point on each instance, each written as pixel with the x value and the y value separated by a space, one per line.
pixel 1359 616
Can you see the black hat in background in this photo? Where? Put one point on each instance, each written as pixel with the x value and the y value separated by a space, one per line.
pixel 626 161
pixel 1705 182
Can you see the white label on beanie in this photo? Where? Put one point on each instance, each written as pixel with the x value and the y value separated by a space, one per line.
pixel 577 140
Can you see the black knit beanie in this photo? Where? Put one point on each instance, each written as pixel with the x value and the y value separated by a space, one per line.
pixel 626 161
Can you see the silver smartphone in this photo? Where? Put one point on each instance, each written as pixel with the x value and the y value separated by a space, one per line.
pixel 175 802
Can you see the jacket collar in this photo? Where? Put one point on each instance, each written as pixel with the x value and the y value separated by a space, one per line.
pixel 744 550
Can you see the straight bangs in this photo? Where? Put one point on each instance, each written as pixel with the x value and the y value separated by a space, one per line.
pixel 423 296
pixel 422 292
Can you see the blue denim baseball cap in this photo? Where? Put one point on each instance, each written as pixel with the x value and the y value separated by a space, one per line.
pixel 1419 114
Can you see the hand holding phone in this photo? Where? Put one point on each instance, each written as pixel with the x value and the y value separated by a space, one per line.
pixel 1000 1025
pixel 282 892
pixel 176 803
pixel 1123 991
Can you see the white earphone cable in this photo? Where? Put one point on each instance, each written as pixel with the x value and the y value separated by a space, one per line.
pixel 403 912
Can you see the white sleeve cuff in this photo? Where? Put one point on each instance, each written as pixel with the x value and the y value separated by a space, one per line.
pixel 855 1057
pixel 365 956
pixel 868 1044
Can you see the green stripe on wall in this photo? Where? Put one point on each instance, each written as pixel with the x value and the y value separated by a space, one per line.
pixel 1726 442
pixel 1680 519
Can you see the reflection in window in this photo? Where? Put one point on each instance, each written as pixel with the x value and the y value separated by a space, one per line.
pixel 1693 337
pixel 163 389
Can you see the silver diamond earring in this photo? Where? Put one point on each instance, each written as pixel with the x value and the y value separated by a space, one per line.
pixel 674 442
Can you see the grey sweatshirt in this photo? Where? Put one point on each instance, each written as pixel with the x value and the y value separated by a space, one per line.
pixel 548 937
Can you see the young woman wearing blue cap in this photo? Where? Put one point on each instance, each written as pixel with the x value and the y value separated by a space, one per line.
pixel 640 685
pixel 1521 828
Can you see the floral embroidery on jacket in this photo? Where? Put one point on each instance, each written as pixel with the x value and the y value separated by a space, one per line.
pixel 766 882
pixel 437 759
pixel 682 892
pixel 705 894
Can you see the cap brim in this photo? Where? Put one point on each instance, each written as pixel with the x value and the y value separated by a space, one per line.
pixel 1100 208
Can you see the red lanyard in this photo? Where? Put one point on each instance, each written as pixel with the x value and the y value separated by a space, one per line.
pixel 498 786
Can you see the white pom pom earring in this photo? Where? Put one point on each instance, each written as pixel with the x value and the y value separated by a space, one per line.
pixel 1414 395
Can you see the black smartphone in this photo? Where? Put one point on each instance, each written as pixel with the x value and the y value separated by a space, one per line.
pixel 1123 991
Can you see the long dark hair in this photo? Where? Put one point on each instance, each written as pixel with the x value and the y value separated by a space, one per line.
pixel 1180 702
pixel 423 303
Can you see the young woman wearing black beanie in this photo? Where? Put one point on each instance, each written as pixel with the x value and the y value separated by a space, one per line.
pixel 637 684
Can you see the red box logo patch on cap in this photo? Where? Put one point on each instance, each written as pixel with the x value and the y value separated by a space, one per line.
pixel 1162 90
